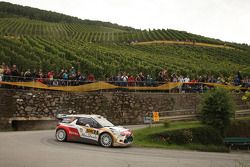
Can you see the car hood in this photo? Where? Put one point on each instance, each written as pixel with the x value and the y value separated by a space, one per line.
pixel 120 129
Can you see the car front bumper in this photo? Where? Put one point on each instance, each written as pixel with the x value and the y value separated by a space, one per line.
pixel 123 141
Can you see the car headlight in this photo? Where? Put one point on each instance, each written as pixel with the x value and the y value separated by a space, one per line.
pixel 122 134
pixel 116 132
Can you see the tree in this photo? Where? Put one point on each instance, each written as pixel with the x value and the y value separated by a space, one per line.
pixel 217 109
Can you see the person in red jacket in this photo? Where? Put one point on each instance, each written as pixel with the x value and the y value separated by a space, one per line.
pixel 131 80
pixel 50 77
pixel 91 77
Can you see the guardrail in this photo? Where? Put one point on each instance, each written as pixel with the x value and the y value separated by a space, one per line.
pixel 192 114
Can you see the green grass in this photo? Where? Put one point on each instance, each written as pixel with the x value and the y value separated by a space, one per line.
pixel 142 138
pixel 243 118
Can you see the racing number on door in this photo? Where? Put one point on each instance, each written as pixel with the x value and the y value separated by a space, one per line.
pixel 92 131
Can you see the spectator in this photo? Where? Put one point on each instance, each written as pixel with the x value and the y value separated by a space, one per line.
pixel 40 76
pixel 14 73
pixel 131 80
pixel 181 79
pixel 1 73
pixel 138 80
pixel 6 73
pixel 165 75
pixel 72 73
pixel 118 79
pixel 34 74
pixel 174 78
pixel 211 79
pixel 239 77
pixel 142 79
pixel 80 78
pixel 200 78
pixel 50 77
pixel 91 77
pixel 149 80
pixel 65 77
pixel 60 75
pixel 27 75
pixel 186 79
pixel 124 79
pixel 194 80
pixel 160 77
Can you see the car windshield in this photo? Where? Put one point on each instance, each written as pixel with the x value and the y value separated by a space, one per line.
pixel 104 122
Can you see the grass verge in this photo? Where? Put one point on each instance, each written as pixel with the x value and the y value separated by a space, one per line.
pixel 142 138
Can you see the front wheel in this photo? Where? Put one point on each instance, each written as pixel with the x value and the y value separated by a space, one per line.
pixel 61 135
pixel 106 140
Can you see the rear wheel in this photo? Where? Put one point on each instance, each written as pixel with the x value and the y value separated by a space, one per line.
pixel 106 140
pixel 61 135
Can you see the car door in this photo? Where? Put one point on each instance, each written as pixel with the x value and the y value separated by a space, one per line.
pixel 87 128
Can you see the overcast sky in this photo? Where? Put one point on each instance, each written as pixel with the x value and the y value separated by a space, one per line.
pixel 228 20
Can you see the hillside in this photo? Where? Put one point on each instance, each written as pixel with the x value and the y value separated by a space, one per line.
pixel 33 38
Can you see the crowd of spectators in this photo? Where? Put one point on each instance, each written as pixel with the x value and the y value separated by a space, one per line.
pixel 72 77
pixel 63 78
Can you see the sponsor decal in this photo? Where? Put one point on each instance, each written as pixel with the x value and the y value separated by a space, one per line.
pixel 73 133
pixel 89 133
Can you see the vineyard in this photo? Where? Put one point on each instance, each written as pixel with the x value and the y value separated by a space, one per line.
pixel 106 49
pixel 92 33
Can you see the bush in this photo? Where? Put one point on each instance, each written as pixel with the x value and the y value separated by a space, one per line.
pixel 166 123
pixel 198 135
pixel 207 135
pixel 217 109
pixel 238 128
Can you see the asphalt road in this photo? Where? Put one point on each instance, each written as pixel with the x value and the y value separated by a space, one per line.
pixel 40 149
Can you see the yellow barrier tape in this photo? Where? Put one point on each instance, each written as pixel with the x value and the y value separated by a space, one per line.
pixel 26 84
pixel 103 85
pixel 81 88
pixel 228 87
pixel 87 87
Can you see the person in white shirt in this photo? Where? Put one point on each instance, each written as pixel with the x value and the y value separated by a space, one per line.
pixel 1 73
pixel 186 79
pixel 124 79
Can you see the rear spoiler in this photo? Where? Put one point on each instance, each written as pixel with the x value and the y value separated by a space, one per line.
pixel 61 116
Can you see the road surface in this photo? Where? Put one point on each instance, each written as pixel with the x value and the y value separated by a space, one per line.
pixel 40 149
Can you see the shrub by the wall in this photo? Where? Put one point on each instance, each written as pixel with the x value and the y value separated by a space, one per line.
pixel 238 128
pixel 198 135
pixel 217 109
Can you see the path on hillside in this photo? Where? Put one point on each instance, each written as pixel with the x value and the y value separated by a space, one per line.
pixel 40 149
pixel 184 43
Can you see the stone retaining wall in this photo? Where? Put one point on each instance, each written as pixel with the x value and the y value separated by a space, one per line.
pixel 119 107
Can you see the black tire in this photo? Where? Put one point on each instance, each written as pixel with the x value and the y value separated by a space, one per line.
pixel 61 135
pixel 106 140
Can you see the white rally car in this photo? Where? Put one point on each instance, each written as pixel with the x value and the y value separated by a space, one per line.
pixel 92 129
